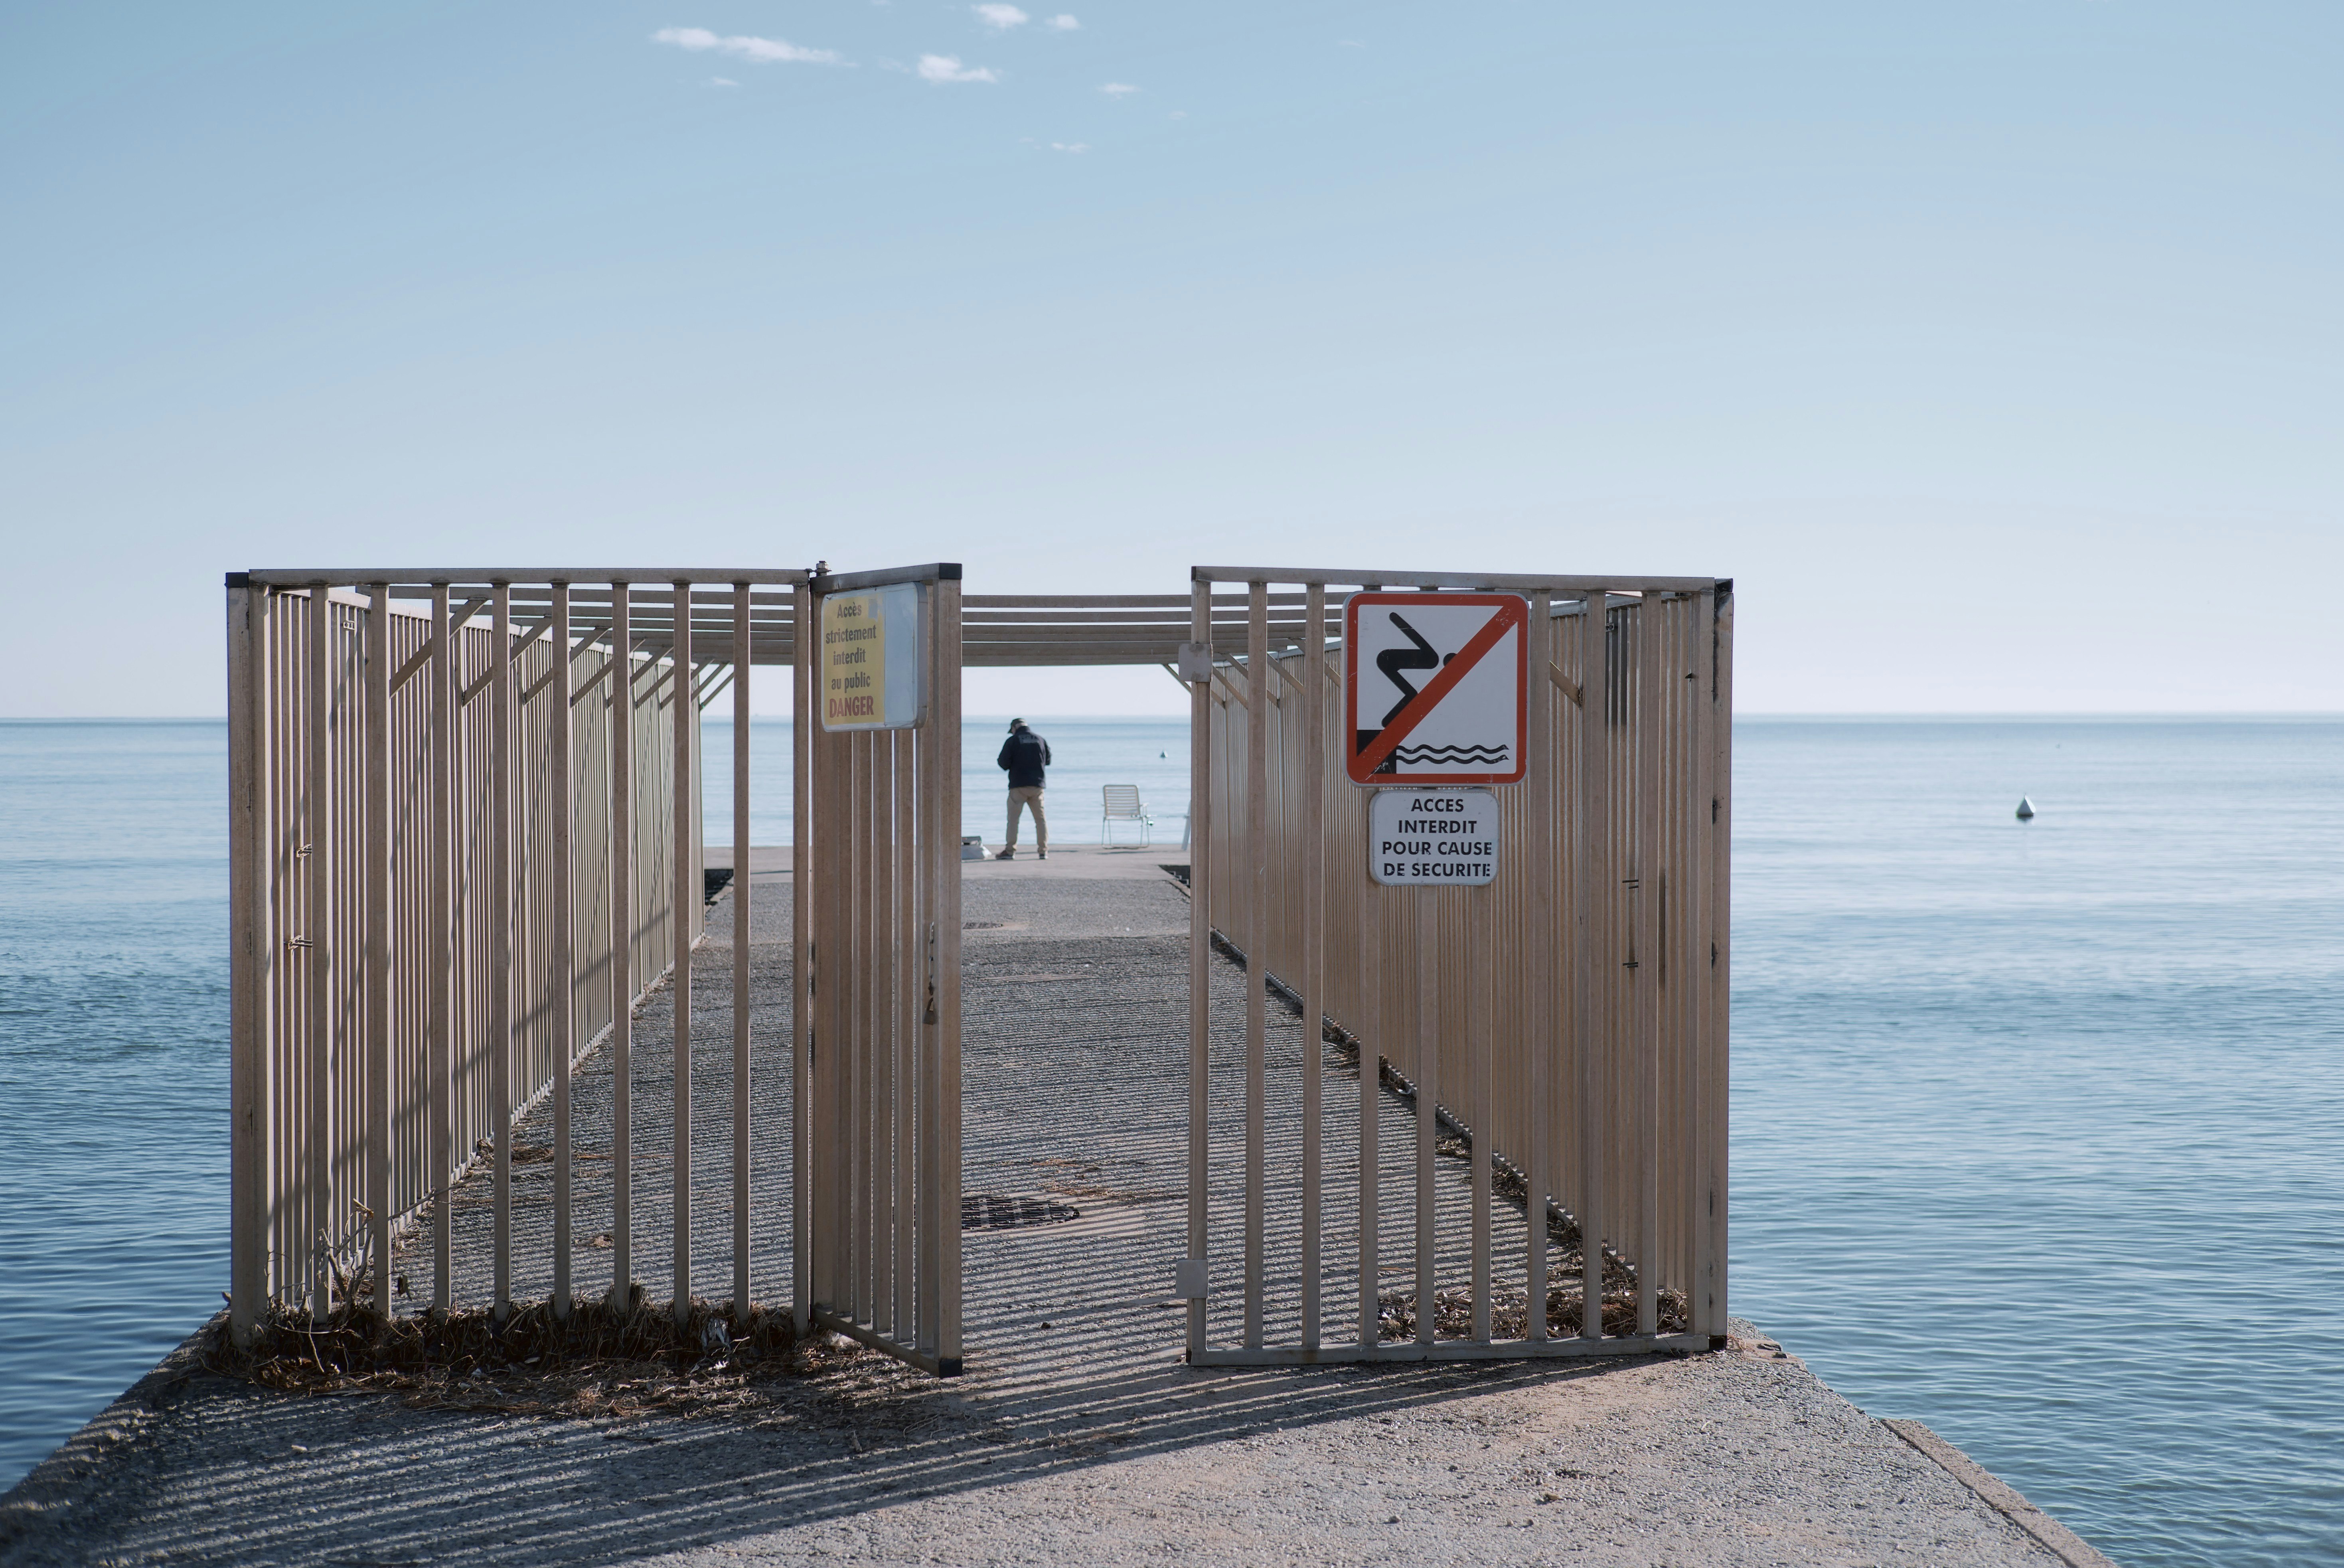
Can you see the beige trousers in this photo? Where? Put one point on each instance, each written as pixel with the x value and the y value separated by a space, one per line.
pixel 1031 796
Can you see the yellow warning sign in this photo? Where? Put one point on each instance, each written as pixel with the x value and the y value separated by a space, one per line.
pixel 871 659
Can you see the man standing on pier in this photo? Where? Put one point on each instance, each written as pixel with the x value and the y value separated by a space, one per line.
pixel 1024 754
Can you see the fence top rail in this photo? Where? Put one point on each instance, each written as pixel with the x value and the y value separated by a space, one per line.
pixel 1574 585
pixel 1174 605
pixel 850 582
pixel 705 595
pixel 1074 602
pixel 469 576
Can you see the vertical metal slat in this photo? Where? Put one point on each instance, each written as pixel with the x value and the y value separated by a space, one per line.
pixel 319 933
pixel 683 858
pixel 803 725
pixel 250 958
pixel 1650 713
pixel 1590 926
pixel 1539 1042
pixel 1313 791
pixel 561 962
pixel 743 876
pixel 443 672
pixel 1201 828
pixel 502 895
pixel 1427 1116
pixel 623 943
pixel 946 785
pixel 1255 925
pixel 378 938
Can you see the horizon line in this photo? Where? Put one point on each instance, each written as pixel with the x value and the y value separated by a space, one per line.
pixel 1953 715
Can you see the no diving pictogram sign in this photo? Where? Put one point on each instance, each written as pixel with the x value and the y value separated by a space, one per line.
pixel 1434 688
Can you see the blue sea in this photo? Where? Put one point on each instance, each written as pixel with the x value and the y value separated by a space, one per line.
pixel 2038 1127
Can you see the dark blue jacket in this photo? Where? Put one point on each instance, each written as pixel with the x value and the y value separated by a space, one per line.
pixel 1024 754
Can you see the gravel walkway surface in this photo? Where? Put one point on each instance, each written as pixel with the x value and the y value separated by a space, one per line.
pixel 1077 1435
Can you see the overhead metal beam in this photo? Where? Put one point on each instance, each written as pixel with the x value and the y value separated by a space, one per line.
pixel 355 577
pixel 1508 581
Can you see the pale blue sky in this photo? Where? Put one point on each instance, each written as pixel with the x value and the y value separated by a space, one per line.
pixel 1996 350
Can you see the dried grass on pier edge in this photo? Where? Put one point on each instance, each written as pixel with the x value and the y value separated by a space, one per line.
pixel 599 1362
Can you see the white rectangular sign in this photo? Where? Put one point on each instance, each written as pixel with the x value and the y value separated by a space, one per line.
pixel 871 659
pixel 1432 837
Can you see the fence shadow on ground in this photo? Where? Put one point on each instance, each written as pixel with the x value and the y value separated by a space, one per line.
pixel 372 1481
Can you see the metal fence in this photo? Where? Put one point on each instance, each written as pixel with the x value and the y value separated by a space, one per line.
pixel 440 815
pixel 1569 1019
pixel 879 1130
pixel 465 841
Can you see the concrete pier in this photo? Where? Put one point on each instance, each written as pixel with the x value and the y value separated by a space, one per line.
pixel 1077 1435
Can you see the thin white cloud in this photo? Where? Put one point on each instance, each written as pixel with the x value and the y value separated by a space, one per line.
pixel 1348 44
pixel 722 82
pixel 757 51
pixel 948 68
pixel 1118 89
pixel 1062 23
pixel 1001 17
pixel 1070 146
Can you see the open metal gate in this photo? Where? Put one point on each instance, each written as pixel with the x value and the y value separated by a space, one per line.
pixel 877 947
pixel 1565 1021
pixel 466 845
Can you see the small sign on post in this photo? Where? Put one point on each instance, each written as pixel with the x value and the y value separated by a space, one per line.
pixel 1432 837
pixel 1435 688
pixel 871 662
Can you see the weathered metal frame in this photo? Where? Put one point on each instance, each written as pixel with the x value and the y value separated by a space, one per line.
pixel 319 684
pixel 396 896
pixel 880 1148
pixel 1609 1034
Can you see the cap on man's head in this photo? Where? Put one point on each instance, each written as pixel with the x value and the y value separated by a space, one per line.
pixel 1016 725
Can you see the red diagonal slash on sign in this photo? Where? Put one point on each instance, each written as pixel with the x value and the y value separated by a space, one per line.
pixel 1514 613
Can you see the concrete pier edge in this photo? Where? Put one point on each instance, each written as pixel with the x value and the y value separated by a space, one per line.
pixel 2000 1495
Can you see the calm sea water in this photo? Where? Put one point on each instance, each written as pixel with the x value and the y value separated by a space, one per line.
pixel 113 1062
pixel 2036 1127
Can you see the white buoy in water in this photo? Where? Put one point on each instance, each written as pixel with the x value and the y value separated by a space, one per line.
pixel 2026 809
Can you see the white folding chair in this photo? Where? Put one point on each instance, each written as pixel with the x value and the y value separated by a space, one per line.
pixel 1120 803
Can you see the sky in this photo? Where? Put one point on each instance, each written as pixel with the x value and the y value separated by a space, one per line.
pixel 1996 351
